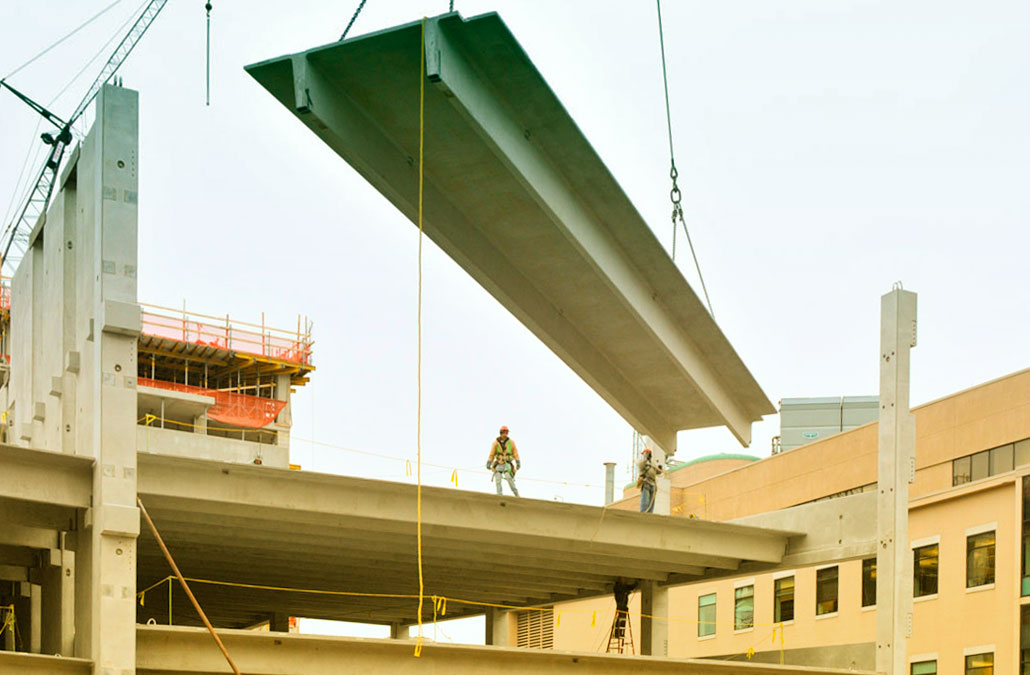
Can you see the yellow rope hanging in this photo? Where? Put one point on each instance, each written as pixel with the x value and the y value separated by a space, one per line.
pixel 418 421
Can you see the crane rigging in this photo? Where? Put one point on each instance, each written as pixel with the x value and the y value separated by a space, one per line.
pixel 15 238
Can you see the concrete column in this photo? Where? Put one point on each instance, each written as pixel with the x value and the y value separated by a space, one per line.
pixel 285 419
pixel 498 622
pixel 200 424
pixel 399 631
pixel 109 324
pixel 279 622
pixel 609 482
pixel 897 441
pixel 28 608
pixel 59 603
pixel 654 632
pixel 662 504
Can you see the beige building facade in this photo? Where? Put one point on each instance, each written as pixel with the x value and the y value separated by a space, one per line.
pixel 966 531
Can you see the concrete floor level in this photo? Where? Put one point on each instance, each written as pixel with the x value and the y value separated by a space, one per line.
pixel 516 195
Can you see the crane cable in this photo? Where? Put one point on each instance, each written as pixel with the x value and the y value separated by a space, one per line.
pixel 346 30
pixel 674 194
pixel 207 97
pixel 43 53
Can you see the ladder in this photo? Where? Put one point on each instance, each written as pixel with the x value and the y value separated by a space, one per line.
pixel 620 637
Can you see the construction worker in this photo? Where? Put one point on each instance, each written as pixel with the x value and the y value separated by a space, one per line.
pixel 648 471
pixel 621 591
pixel 504 461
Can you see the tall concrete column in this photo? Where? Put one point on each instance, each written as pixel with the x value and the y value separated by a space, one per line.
pixel 897 442
pixel 654 622
pixel 498 626
pixel 609 483
pixel 662 503
pixel 59 602
pixel 285 419
pixel 108 325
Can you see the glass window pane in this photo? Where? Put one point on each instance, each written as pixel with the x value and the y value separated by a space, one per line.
pixel 980 559
pixel 869 582
pixel 960 471
pixel 1001 459
pixel 924 668
pixel 924 568
pixel 981 465
pixel 744 607
pixel 1023 452
pixel 783 603
pixel 706 615
pixel 826 590
pixel 1024 639
pixel 980 664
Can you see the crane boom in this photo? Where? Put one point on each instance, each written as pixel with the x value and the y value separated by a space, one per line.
pixel 16 237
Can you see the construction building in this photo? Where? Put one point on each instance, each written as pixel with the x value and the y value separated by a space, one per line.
pixel 113 411
pixel 968 536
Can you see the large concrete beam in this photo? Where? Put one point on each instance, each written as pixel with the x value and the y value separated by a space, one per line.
pixel 45 477
pixel 19 663
pixel 186 651
pixel 516 196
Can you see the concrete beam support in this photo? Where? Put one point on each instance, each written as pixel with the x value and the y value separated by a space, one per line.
pixel 20 663
pixel 186 651
pixel 59 604
pixel 897 469
pixel 498 627
pixel 654 619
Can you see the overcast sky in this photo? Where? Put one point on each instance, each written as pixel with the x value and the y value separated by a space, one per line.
pixel 826 150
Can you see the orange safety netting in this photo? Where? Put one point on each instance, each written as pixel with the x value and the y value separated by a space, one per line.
pixel 238 410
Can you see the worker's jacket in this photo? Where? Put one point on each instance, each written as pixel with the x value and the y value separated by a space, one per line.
pixel 502 454
pixel 648 471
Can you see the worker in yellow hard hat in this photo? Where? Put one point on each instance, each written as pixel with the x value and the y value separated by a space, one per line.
pixel 504 461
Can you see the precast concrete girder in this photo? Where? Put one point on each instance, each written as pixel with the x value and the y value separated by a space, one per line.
pixel 45 477
pixel 301 530
pixel 21 663
pixel 190 651
pixel 514 193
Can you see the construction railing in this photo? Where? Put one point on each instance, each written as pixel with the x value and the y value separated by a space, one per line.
pixel 223 333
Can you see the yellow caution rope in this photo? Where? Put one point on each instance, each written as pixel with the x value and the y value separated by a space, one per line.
pixel 418 421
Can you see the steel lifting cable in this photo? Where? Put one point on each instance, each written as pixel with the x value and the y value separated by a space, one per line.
pixel 674 194
pixel 207 98
pixel 353 18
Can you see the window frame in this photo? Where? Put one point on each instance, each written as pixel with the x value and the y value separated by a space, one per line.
pixel 777 599
pixel 702 623
pixel 836 590
pixel 917 546
pixel 738 626
pixel 865 579
pixel 979 532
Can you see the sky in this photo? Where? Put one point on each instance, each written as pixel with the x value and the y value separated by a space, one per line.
pixel 826 151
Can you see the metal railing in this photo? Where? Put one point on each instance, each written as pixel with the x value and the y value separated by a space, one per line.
pixel 224 333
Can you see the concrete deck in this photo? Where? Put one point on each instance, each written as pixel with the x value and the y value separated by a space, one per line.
pixel 168 651
pixel 515 194
pixel 303 530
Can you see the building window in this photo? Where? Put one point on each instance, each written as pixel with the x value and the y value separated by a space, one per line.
pixel 783 607
pixel 1024 640
pixel 960 471
pixel 1002 459
pixel 924 668
pixel 980 559
pixel 826 590
pixel 981 465
pixel 869 582
pixel 706 615
pixel 980 664
pixel 744 607
pixel 924 567
pixel 1026 536
pixel 1022 452
pixel 535 629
